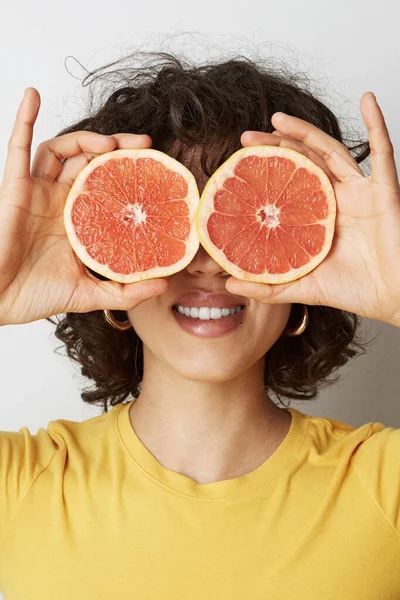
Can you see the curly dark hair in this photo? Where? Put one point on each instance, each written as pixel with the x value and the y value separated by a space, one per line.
pixel 207 107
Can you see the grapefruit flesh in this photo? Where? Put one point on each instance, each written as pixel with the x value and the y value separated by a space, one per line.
pixel 130 215
pixel 267 215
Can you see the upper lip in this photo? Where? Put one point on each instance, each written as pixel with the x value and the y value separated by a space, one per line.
pixel 200 297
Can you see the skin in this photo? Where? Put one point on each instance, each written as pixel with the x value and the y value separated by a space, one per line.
pixel 40 276
pixel 196 415
pixel 198 421
pixel 201 399
pixel 207 410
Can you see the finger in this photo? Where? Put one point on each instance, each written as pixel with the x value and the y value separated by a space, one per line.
pixel 94 294
pixel 48 161
pixel 279 139
pixel 73 166
pixel 301 291
pixel 334 153
pixel 133 140
pixel 18 160
pixel 382 152
pixel 313 156
pixel 79 148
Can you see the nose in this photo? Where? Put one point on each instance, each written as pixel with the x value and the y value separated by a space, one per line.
pixel 204 264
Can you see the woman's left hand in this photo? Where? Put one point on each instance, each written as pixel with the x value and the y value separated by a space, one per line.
pixel 361 273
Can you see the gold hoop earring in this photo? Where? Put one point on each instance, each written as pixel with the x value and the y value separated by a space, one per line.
pixel 301 327
pixel 111 320
pixel 124 325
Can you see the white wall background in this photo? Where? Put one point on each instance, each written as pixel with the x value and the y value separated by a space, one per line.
pixel 348 47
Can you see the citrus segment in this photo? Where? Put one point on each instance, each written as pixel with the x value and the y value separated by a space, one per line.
pixel 130 215
pixel 267 214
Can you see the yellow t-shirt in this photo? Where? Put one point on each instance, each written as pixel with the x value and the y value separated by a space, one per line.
pixel 87 512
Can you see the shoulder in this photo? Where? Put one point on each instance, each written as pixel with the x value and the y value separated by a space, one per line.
pixel 362 446
pixel 25 455
pixel 26 458
pixel 370 451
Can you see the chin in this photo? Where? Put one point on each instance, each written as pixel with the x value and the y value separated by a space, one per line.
pixel 212 367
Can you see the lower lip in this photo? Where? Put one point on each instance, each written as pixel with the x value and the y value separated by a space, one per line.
pixel 210 328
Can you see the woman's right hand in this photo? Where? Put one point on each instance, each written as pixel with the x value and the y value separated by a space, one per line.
pixel 40 275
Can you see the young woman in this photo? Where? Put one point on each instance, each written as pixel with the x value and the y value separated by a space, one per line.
pixel 196 484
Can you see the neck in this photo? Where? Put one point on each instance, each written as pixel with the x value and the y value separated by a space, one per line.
pixel 208 431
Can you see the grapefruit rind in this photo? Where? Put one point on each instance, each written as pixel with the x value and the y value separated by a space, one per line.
pixel 192 199
pixel 226 170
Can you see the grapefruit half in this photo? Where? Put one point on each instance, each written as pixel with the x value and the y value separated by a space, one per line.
pixel 131 215
pixel 267 215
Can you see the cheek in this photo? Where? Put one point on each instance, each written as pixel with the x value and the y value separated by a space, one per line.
pixel 146 317
pixel 267 322
pixel 153 324
pixel 263 326
pixel 272 316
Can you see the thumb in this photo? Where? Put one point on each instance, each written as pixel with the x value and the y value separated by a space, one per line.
pixel 299 291
pixel 112 295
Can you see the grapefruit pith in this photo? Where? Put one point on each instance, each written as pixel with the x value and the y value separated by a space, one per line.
pixel 130 215
pixel 267 215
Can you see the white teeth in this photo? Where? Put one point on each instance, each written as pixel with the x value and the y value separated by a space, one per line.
pixel 205 313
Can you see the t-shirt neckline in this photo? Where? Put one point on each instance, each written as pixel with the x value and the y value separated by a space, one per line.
pixel 264 475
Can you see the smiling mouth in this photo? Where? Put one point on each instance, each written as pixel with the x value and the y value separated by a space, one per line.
pixel 206 313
